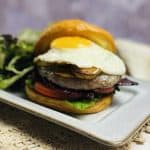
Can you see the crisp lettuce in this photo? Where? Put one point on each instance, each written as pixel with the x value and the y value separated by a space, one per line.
pixel 27 39
pixel 2 53
pixel 7 82
pixel 82 104
pixel 2 58
pixel 16 57
pixel 29 36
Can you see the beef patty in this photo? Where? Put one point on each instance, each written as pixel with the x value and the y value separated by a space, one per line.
pixel 101 81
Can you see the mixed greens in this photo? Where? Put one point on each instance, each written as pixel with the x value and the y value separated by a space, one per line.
pixel 16 57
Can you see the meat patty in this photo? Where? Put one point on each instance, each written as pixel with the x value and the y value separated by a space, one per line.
pixel 101 81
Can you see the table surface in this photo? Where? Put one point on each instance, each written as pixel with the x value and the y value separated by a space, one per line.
pixel 129 19
pixel 20 130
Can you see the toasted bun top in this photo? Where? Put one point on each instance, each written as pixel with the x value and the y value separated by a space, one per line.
pixel 74 28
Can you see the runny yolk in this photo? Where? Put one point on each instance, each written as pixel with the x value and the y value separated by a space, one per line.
pixel 70 42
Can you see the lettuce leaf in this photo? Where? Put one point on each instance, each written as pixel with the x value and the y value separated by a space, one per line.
pixel 2 59
pixel 27 39
pixel 29 36
pixel 82 104
pixel 7 82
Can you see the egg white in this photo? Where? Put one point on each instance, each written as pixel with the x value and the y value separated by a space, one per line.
pixel 86 57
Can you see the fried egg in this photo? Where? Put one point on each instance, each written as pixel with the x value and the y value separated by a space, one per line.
pixel 84 54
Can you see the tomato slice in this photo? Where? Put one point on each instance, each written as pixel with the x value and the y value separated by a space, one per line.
pixel 50 92
pixel 59 93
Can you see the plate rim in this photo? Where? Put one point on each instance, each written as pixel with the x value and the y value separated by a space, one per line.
pixel 74 127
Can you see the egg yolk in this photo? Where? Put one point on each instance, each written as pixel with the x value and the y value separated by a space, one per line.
pixel 70 42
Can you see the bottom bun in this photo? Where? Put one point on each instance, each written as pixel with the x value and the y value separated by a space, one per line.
pixel 66 107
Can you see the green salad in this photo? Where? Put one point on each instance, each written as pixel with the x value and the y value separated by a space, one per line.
pixel 16 57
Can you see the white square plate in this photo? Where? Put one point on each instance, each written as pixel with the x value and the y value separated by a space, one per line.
pixel 113 126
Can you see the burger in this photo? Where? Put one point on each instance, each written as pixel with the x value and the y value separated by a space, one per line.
pixel 76 68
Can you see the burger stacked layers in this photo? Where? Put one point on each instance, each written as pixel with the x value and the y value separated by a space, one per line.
pixel 76 68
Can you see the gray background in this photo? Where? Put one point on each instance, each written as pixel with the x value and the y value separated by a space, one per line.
pixel 123 18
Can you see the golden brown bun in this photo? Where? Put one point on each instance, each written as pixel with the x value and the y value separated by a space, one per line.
pixel 66 107
pixel 74 28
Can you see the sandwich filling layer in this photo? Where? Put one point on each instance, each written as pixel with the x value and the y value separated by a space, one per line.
pixel 76 68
